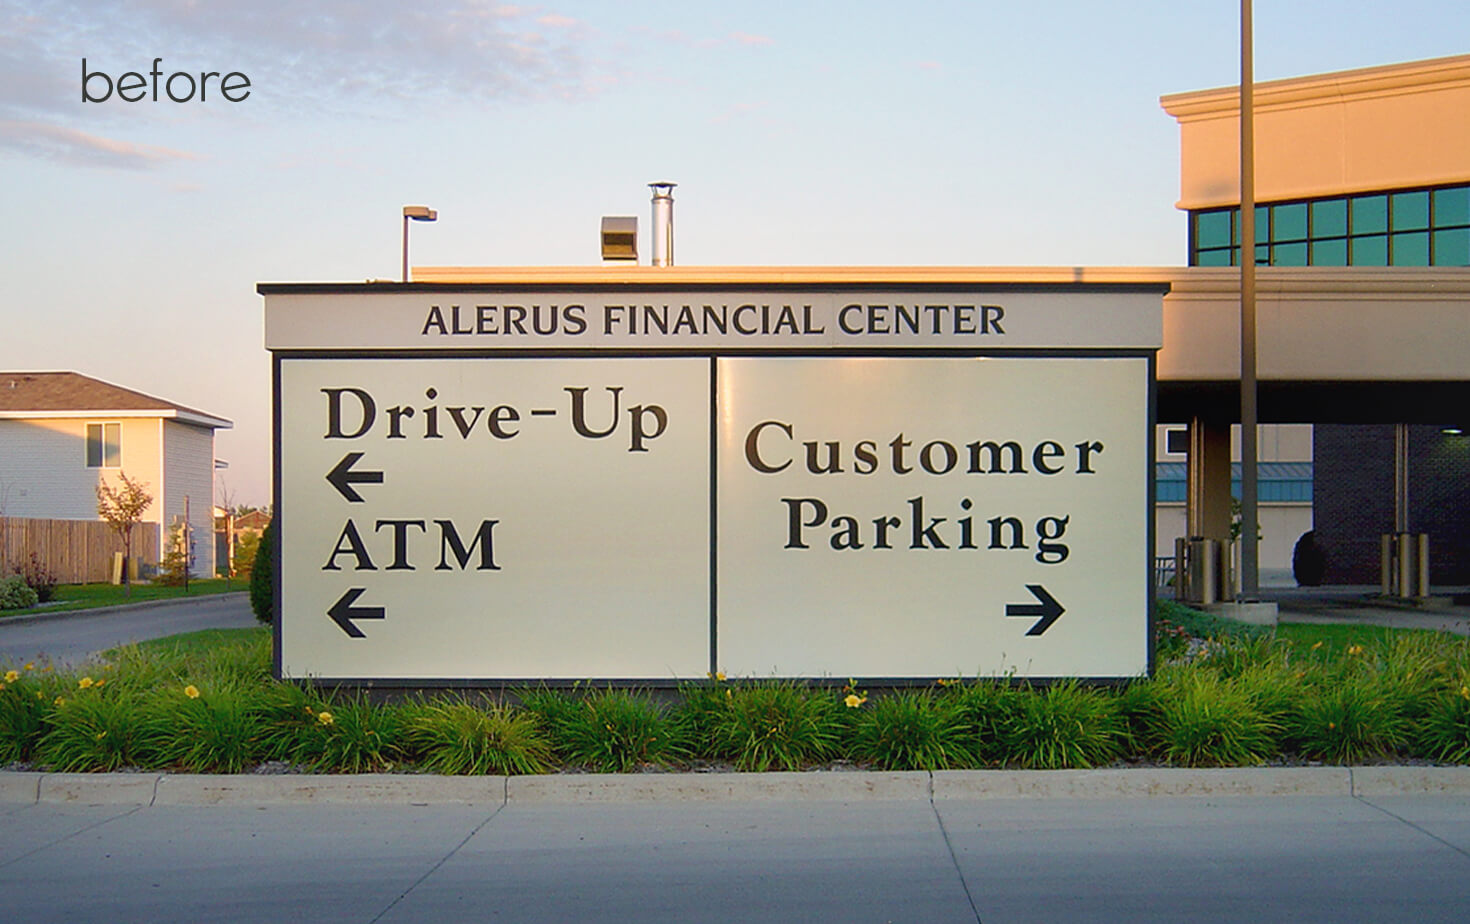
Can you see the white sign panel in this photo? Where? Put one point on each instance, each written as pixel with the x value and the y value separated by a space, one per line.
pixel 436 318
pixel 494 519
pixel 932 517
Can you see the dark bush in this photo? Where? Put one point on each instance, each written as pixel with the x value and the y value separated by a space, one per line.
pixel 263 578
pixel 38 577
pixel 1308 561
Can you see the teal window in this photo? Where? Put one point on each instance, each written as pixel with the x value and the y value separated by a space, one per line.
pixel 1329 218
pixel 1289 255
pixel 1289 222
pixel 1452 247
pixel 1411 249
pixel 1330 253
pixel 1371 250
pixel 1413 227
pixel 1452 207
pixel 1411 211
pixel 1370 214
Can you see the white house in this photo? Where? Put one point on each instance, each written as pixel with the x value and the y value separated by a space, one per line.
pixel 61 433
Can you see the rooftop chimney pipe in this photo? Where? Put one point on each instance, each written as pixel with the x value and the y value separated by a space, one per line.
pixel 663 223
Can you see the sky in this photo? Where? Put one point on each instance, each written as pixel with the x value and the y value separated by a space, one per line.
pixel 802 133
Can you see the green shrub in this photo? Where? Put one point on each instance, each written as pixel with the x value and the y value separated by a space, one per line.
pixel 1444 731
pixel 94 730
pixel 784 725
pixel 1203 625
pixel 911 730
pixel 351 735
pixel 458 738
pixel 1347 721
pixel 983 711
pixel 613 731
pixel 247 546
pixel 697 715
pixel 1206 721
pixel 15 594
pixel 214 730
pixel 287 713
pixel 26 698
pixel 1065 726
pixel 262 576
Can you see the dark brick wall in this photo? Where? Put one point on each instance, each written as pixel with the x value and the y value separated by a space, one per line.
pixel 1353 499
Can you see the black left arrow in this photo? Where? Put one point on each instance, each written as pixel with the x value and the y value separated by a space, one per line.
pixel 1046 607
pixel 342 477
pixel 343 612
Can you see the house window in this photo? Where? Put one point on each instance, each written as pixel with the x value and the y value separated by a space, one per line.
pixel 104 445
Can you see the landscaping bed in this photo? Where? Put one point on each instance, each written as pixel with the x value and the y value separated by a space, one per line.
pixel 1224 694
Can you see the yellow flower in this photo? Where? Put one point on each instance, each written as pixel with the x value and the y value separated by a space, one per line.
pixel 1465 692
pixel 101 735
pixel 191 691
pixel 30 665
pixel 101 682
pixel 1316 646
pixel 325 718
pixel 12 676
pixel 2 686
pixel 853 700
pixel 1331 725
pixel 60 701
pixel 720 676
pixel 85 682
pixel 1355 649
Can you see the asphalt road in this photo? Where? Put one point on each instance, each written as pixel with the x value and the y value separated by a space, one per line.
pixel 1404 858
pixel 69 640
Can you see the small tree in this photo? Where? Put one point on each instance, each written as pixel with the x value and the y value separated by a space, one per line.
pixel 122 508
pixel 262 576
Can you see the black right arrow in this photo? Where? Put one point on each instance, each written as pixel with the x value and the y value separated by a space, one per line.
pixel 342 477
pixel 343 612
pixel 1047 608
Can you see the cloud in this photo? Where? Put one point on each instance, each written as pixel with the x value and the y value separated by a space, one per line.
pixel 745 38
pixel 55 142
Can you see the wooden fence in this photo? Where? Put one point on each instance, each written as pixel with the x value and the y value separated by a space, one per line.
pixel 75 551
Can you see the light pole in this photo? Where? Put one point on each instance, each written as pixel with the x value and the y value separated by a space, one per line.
pixel 414 213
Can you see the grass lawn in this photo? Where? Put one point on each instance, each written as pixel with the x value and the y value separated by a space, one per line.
pixel 190 644
pixel 1341 636
pixel 87 596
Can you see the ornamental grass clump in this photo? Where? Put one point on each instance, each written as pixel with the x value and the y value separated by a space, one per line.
pixel 1209 721
pixel 93 729
pixel 26 697
pixel 287 712
pixel 1347 721
pixel 349 734
pixel 462 739
pixel 611 731
pixel 781 725
pixel 911 730
pixel 1443 732
pixel 983 711
pixel 1067 725
pixel 213 730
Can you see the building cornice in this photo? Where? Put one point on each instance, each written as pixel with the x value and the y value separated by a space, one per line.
pixel 1339 86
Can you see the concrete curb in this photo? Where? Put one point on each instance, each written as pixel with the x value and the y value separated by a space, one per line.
pixel 718 787
pixel 154 789
pixel 50 615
